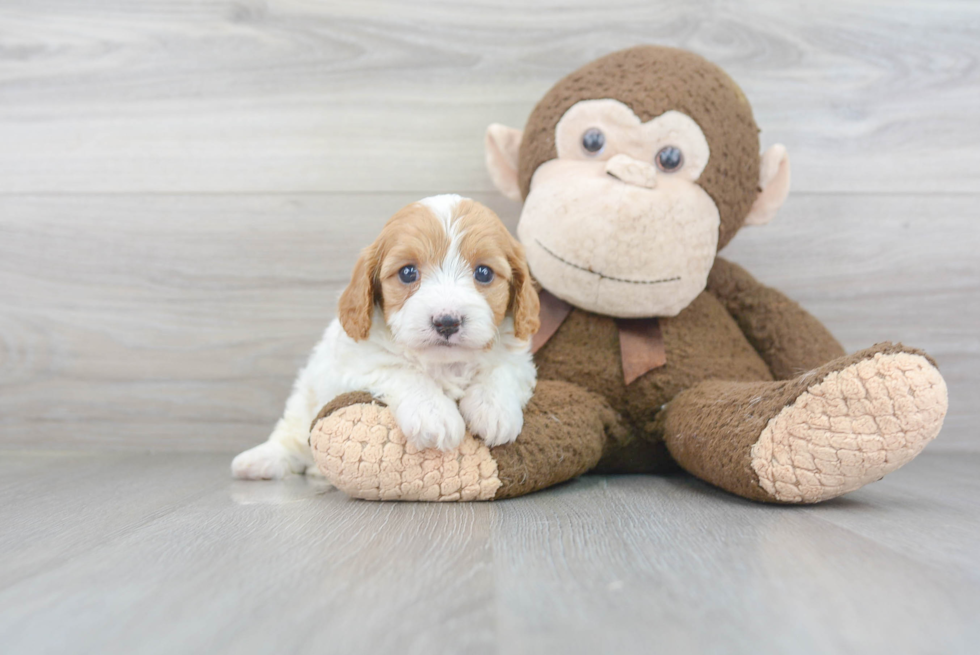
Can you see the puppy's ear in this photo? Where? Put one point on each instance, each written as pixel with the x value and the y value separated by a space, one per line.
pixel 524 303
pixel 356 306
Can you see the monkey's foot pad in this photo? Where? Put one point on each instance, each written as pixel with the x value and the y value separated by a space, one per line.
pixel 852 428
pixel 361 451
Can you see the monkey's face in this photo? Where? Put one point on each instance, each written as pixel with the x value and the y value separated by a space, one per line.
pixel 623 211
pixel 617 223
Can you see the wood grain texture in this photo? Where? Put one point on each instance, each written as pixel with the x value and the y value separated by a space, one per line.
pixel 179 322
pixel 170 555
pixel 184 185
pixel 242 96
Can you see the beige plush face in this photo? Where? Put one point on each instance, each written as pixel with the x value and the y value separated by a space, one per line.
pixel 617 223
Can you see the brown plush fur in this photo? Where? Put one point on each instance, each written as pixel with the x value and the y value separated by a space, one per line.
pixel 561 448
pixel 703 342
pixel 789 339
pixel 672 79
pixel 710 428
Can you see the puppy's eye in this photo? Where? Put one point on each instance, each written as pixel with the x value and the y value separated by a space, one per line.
pixel 593 141
pixel 408 274
pixel 483 274
pixel 670 159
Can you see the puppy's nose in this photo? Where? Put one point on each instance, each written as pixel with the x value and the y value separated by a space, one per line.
pixel 447 325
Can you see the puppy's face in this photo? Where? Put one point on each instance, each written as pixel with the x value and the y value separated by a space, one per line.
pixel 446 273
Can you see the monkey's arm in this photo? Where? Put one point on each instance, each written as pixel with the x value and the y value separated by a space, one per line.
pixel 790 340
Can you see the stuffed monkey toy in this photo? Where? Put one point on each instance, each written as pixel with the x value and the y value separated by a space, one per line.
pixel 654 353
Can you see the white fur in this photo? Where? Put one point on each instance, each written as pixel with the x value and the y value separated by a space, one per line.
pixel 487 370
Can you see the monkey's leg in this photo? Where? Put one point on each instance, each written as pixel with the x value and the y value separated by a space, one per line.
pixel 823 434
pixel 359 448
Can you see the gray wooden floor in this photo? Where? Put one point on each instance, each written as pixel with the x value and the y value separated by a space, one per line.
pixel 131 553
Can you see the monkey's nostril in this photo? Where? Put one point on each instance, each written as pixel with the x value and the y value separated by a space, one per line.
pixel 447 325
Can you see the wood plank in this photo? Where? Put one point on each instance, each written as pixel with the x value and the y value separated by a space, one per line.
pixel 178 322
pixel 631 564
pixel 637 564
pixel 81 500
pixel 943 496
pixel 258 568
pixel 220 96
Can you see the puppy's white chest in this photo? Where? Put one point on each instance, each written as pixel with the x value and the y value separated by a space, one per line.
pixel 453 377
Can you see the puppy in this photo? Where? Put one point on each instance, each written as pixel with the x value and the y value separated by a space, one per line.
pixel 436 322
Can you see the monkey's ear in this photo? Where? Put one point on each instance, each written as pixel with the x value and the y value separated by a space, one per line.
pixel 774 184
pixel 356 307
pixel 502 145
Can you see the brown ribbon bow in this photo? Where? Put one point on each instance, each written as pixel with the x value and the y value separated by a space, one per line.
pixel 641 343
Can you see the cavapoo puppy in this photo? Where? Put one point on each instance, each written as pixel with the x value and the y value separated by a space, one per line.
pixel 436 323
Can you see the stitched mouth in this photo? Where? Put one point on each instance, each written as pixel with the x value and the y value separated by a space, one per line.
pixel 602 275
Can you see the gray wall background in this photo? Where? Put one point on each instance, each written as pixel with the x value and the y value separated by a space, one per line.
pixel 184 184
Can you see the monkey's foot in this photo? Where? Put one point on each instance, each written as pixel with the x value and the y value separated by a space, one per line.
pixel 855 426
pixel 812 438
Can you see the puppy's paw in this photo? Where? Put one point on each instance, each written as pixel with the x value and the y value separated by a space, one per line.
pixel 495 416
pixel 313 471
pixel 430 421
pixel 267 461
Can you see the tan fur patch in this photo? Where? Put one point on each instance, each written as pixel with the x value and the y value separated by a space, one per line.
pixel 362 452
pixel 853 428
pixel 413 236
pixel 416 236
pixel 486 241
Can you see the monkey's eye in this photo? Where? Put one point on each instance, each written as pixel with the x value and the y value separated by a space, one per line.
pixel 483 274
pixel 408 274
pixel 670 159
pixel 593 141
